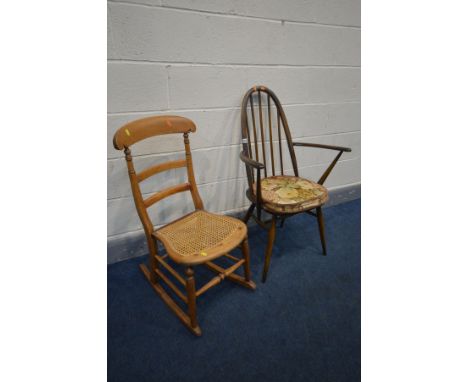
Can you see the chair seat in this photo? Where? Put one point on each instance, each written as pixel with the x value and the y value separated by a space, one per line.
pixel 201 236
pixel 291 194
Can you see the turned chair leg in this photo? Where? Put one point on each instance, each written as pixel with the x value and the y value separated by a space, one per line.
pixel 245 252
pixel 152 260
pixel 282 222
pixel 322 230
pixel 191 299
pixel 269 248
pixel 249 213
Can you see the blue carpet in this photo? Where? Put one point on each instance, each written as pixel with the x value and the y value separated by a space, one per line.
pixel 302 325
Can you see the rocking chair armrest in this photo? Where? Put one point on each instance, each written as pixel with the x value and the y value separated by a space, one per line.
pixel 251 162
pixel 320 146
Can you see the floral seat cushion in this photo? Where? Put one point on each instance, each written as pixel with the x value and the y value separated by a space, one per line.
pixel 290 194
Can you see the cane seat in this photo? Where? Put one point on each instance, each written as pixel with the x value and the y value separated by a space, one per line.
pixel 201 236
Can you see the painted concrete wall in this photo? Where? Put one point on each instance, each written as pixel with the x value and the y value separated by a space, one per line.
pixel 196 58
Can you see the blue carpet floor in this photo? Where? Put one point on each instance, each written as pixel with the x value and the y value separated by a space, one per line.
pixel 302 325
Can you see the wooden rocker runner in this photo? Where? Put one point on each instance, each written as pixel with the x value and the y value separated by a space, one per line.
pixel 196 238
pixel 280 195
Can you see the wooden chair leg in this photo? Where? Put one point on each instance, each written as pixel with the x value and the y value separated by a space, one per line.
pixel 269 248
pixel 169 301
pixel 282 222
pixel 190 319
pixel 322 230
pixel 152 260
pixel 245 252
pixel 249 213
pixel 191 299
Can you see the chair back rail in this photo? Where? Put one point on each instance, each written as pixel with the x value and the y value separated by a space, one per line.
pixel 259 139
pixel 141 129
pixel 156 169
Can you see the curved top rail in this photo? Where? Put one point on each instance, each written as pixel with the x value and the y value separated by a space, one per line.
pixel 140 129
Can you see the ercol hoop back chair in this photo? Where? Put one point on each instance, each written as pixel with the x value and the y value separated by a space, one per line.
pixel 278 194
pixel 196 238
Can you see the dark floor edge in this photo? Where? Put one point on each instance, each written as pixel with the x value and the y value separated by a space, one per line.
pixel 134 244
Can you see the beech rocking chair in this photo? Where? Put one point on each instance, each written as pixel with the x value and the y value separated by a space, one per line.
pixel 278 194
pixel 196 238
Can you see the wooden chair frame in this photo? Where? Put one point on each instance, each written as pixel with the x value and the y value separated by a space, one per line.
pixel 134 132
pixel 250 142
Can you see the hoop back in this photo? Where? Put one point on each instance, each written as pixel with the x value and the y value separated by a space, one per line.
pixel 265 132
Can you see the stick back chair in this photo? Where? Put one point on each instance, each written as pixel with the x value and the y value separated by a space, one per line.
pixel 196 238
pixel 264 130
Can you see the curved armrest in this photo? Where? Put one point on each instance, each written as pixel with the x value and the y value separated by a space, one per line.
pixel 320 146
pixel 332 164
pixel 258 166
pixel 251 162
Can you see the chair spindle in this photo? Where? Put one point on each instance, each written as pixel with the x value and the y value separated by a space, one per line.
pixel 271 138
pixel 262 134
pixel 254 127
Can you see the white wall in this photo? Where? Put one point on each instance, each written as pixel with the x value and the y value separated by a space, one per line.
pixel 196 58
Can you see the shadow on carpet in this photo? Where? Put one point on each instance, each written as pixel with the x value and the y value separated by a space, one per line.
pixel 302 325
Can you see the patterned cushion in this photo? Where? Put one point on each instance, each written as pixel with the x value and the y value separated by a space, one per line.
pixel 291 194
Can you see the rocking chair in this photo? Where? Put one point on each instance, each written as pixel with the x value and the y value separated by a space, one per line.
pixel 197 238
pixel 280 195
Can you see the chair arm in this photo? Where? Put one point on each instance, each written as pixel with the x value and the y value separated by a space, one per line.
pixel 251 162
pixel 258 166
pixel 320 146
